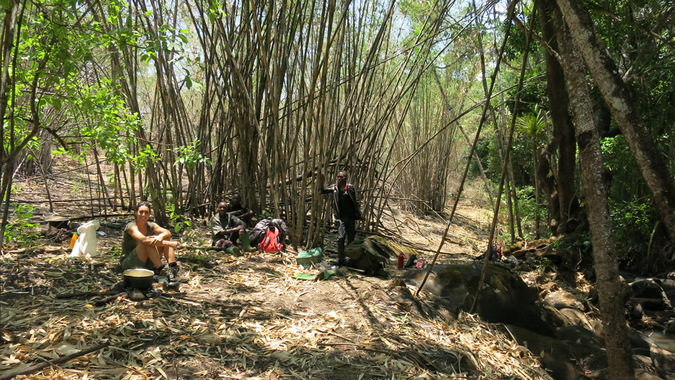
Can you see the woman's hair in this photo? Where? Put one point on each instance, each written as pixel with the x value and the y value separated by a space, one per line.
pixel 143 203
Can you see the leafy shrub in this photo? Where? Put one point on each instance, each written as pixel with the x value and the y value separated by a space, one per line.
pixel 22 231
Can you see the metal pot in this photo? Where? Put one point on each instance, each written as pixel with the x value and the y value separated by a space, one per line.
pixel 138 278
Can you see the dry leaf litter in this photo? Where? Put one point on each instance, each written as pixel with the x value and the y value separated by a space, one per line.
pixel 236 318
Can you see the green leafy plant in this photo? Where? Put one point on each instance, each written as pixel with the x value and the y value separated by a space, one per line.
pixel 266 214
pixel 115 251
pixel 179 223
pixel 22 231
pixel 189 155
pixel 201 257
pixel 544 265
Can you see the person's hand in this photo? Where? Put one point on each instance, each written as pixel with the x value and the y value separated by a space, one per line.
pixel 156 240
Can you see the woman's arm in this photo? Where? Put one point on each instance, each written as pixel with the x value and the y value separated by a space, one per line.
pixel 138 236
pixel 160 234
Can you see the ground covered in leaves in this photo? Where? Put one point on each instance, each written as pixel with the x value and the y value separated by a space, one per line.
pixel 236 317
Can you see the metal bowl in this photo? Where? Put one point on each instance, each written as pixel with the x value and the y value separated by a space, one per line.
pixel 138 278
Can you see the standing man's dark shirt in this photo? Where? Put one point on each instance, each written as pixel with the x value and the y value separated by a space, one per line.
pixel 346 208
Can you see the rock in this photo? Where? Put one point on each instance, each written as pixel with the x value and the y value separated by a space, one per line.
pixel 504 297
pixel 670 327
pixel 561 299
pixel 650 294
pixel 642 360
pixel 664 361
pixel 668 286
pixel 638 343
pixel 563 360
pixel 576 318
pixel 644 375
pixel 579 335
pixel 653 304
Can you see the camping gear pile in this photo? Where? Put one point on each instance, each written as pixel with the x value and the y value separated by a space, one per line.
pixel 269 235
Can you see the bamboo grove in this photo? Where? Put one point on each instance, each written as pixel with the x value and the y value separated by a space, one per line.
pixel 193 101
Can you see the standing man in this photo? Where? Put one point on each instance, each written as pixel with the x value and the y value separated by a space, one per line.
pixel 346 209
pixel 226 229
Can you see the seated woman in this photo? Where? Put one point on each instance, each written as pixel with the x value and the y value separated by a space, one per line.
pixel 145 243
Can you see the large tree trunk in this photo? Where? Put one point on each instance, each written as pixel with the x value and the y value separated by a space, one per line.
pixel 595 187
pixel 561 195
pixel 620 101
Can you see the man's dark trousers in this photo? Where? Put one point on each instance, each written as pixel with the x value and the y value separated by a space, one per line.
pixel 346 229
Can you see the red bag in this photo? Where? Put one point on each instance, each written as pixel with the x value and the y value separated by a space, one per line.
pixel 271 241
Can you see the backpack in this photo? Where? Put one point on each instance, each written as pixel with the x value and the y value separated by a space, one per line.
pixel 495 254
pixel 271 241
pixel 367 254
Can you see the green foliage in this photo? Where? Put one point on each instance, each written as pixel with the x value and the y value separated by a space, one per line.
pixel 483 151
pixel 266 214
pixel 544 265
pixel 580 242
pixel 106 121
pixel 531 124
pixel 201 257
pixel 145 155
pixel 22 231
pixel 179 223
pixel 529 210
pixel 633 221
pixel 115 250
pixel 633 213
pixel 190 156
pixel 626 179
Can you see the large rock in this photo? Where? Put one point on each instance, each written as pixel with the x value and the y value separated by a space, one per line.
pixel 664 361
pixel 650 294
pixel 561 299
pixel 574 355
pixel 504 297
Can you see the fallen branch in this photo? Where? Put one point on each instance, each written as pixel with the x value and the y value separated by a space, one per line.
pixel 106 300
pixel 37 367
pixel 82 294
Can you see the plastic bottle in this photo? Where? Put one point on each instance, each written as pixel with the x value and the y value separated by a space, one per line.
pixel 400 261
pixel 73 240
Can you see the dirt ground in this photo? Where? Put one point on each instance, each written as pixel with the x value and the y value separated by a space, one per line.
pixel 240 317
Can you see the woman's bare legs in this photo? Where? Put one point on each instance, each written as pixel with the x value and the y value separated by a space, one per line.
pixel 146 252
pixel 167 250
pixel 155 253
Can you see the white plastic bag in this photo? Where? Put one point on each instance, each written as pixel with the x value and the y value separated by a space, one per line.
pixel 86 240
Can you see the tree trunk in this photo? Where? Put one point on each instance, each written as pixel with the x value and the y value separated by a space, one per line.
pixel 620 101
pixel 561 195
pixel 595 187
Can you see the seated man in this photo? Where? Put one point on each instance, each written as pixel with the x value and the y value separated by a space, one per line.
pixel 236 208
pixel 226 229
